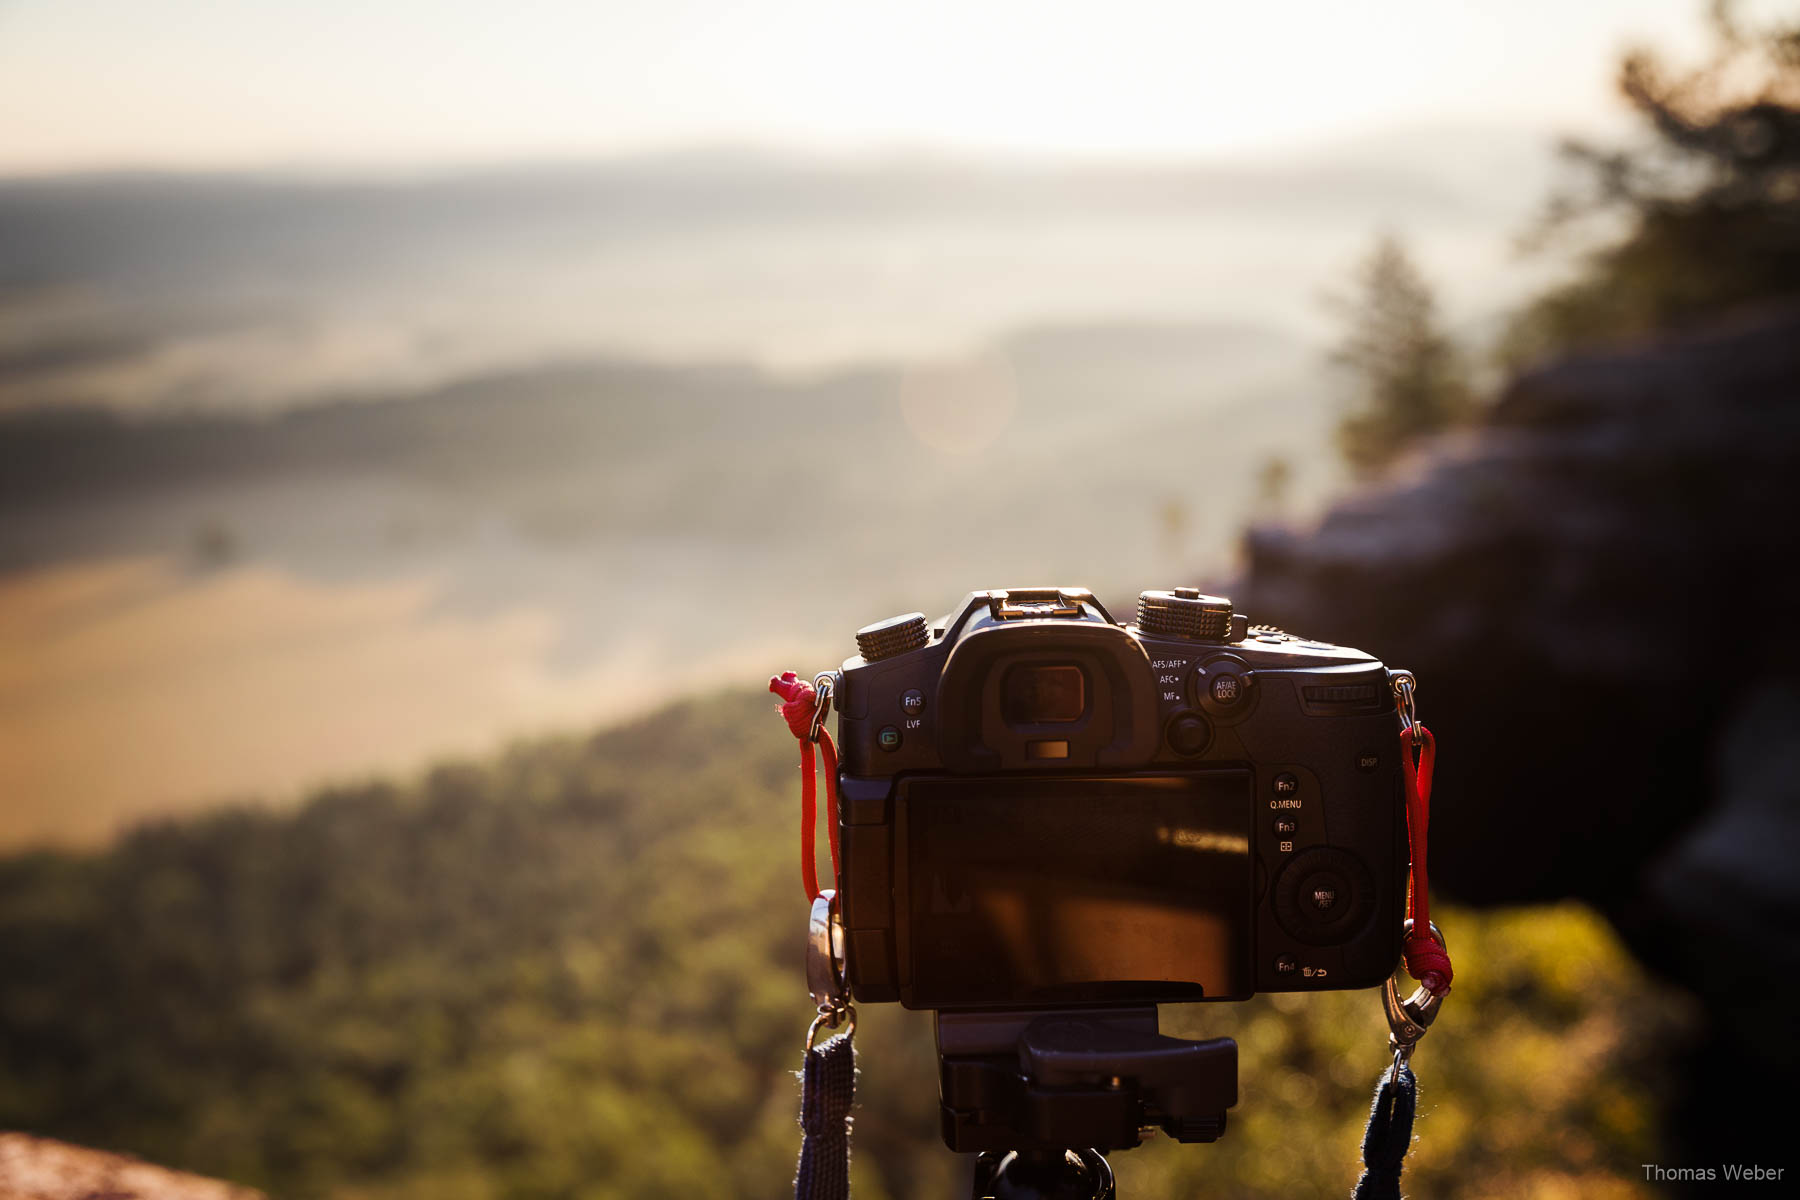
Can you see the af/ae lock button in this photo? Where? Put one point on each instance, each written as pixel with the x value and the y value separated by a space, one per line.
pixel 1227 689
pixel 1224 686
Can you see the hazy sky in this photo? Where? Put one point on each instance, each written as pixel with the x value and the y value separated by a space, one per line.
pixel 211 83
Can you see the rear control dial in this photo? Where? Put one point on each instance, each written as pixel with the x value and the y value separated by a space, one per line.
pixel 1185 613
pixel 1324 896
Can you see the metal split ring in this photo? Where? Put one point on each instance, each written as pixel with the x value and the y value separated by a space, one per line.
pixel 1405 685
pixel 831 1018
pixel 823 685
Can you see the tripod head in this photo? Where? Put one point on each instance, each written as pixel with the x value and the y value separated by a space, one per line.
pixel 1050 1080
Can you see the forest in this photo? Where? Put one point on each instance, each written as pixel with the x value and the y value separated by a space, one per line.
pixel 575 971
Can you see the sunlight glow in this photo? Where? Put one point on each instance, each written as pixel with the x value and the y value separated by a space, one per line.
pixel 405 83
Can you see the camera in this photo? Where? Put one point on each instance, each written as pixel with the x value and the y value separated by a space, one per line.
pixel 1052 822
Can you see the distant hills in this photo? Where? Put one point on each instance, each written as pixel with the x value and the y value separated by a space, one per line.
pixel 157 291
pixel 205 605
pixel 305 476
pixel 571 452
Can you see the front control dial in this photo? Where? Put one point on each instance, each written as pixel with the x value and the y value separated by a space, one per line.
pixel 896 635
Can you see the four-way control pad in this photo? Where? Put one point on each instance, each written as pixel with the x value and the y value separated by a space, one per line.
pixel 1324 896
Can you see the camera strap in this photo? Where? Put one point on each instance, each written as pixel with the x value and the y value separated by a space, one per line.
pixel 827 1089
pixel 804 706
pixel 1388 1135
pixel 828 1076
pixel 1426 959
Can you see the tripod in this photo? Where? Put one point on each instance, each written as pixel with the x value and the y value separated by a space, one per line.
pixel 1043 1175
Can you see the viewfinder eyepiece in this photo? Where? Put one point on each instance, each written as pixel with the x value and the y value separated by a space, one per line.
pixel 1043 695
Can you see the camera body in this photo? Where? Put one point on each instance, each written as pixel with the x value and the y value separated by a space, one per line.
pixel 1045 810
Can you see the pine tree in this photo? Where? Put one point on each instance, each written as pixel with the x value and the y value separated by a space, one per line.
pixel 1409 377
pixel 1701 217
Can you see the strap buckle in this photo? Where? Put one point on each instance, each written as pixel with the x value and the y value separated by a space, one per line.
pixel 1409 1019
pixel 825 967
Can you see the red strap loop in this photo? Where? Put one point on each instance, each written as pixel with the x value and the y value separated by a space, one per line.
pixel 798 705
pixel 1426 960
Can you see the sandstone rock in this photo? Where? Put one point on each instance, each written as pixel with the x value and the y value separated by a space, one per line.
pixel 34 1168
pixel 1597 589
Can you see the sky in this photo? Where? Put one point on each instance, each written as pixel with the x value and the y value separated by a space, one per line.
pixel 403 84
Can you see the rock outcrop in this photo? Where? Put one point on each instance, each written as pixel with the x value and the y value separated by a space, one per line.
pixel 34 1168
pixel 1597 589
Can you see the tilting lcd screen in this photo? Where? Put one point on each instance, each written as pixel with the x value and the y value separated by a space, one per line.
pixel 1071 890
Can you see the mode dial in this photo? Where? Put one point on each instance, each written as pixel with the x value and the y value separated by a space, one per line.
pixel 896 635
pixel 1185 613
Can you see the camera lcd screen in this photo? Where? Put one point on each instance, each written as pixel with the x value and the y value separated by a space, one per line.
pixel 1043 891
pixel 1038 695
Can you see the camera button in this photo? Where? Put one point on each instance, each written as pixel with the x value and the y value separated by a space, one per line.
pixel 1189 733
pixel 1324 896
pixel 1286 827
pixel 1224 686
pixel 888 739
pixel 1285 784
pixel 1285 964
pixel 1367 760
pixel 912 702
